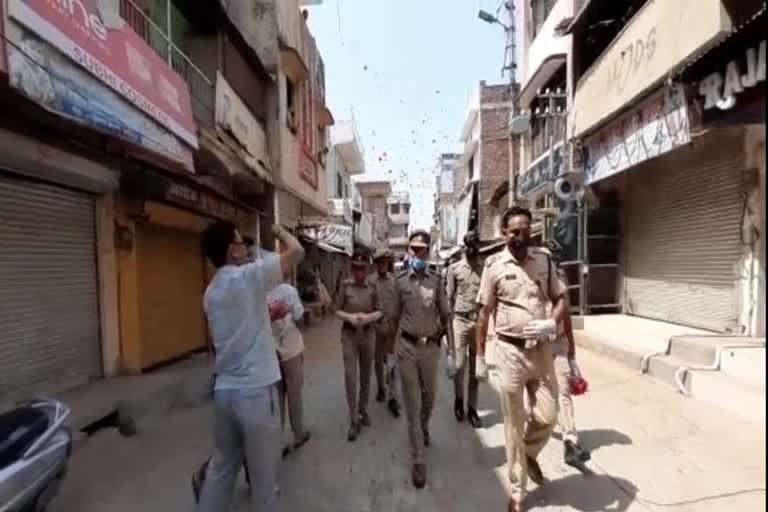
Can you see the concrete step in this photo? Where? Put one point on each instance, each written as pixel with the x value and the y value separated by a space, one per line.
pixel 739 388
pixel 130 400
pixel 740 397
pixel 663 368
pixel 695 350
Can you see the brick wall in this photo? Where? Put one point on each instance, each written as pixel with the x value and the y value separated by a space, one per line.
pixel 495 157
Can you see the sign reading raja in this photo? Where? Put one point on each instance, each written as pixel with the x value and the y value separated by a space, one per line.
pixel 720 90
pixel 91 33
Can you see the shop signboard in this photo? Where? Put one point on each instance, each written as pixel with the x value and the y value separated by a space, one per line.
pixel 46 76
pixel 338 235
pixel 659 125
pixel 92 33
pixel 233 116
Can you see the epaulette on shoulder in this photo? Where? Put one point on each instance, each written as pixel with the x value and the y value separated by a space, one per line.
pixel 493 258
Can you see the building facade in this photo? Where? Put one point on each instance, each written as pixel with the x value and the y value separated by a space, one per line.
pixel 399 215
pixel 481 180
pixel 111 166
pixel 664 132
pixel 373 197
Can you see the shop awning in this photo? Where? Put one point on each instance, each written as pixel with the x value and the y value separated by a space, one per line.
pixel 232 157
pixel 329 248
pixel 338 236
pixel 293 65
pixel 324 116
pixel 540 77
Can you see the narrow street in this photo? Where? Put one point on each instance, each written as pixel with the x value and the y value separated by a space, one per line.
pixel 652 450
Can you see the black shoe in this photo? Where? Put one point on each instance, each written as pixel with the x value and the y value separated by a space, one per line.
pixel 354 431
pixel 381 395
pixel 473 418
pixel 575 455
pixel 458 409
pixel 419 475
pixel 394 408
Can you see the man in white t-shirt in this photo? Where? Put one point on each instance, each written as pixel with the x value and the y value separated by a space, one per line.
pixel 286 310
pixel 247 426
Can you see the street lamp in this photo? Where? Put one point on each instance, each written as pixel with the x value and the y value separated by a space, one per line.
pixel 489 18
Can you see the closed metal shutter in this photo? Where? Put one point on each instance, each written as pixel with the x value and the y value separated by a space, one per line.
pixel 49 314
pixel 172 279
pixel 683 237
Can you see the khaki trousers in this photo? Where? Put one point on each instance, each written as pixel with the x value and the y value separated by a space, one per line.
pixel 464 333
pixel 357 349
pixel 385 340
pixel 566 419
pixel 418 373
pixel 291 392
pixel 520 371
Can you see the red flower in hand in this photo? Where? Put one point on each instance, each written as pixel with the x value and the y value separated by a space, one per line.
pixel 278 310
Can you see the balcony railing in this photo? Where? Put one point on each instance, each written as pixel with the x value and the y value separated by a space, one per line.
pixel 201 88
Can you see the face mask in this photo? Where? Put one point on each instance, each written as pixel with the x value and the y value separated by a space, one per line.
pixel 419 265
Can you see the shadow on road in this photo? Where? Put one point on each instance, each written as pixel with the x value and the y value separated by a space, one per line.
pixel 592 440
pixel 586 493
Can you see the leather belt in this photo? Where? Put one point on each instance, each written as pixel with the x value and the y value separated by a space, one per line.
pixel 350 327
pixel 518 342
pixel 472 317
pixel 414 340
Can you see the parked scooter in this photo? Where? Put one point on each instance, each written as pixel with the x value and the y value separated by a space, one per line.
pixel 35 447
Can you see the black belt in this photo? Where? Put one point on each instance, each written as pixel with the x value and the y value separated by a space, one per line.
pixel 518 342
pixel 410 338
pixel 351 327
pixel 467 316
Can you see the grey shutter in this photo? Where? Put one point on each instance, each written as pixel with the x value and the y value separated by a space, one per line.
pixel 49 318
pixel 683 238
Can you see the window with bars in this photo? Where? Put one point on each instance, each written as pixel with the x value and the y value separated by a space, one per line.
pixel 540 10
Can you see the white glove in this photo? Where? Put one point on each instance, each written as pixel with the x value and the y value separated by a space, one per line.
pixel 540 329
pixel 481 369
pixel 451 369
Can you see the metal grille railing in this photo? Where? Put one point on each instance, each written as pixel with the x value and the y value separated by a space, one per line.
pixel 201 87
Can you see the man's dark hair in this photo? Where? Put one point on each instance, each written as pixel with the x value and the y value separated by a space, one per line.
pixel 514 211
pixel 216 240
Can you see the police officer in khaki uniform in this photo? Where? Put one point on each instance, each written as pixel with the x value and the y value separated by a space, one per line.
pixel 565 355
pixel 384 359
pixel 463 283
pixel 357 305
pixel 516 287
pixel 422 309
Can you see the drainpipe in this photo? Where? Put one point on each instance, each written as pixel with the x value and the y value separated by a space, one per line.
pixel 682 372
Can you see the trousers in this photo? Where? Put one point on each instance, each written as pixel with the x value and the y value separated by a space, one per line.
pixel 418 373
pixel 291 392
pixel 246 429
pixel 357 349
pixel 385 341
pixel 522 371
pixel 464 333
pixel 566 418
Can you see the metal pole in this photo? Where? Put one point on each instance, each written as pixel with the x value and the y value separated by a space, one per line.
pixel 170 35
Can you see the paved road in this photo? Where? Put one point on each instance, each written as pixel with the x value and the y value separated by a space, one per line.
pixel 653 450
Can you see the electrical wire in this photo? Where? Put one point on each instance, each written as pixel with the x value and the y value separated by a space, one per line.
pixel 701 499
